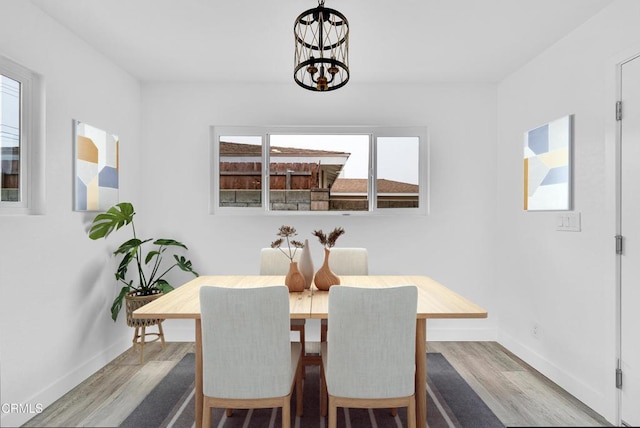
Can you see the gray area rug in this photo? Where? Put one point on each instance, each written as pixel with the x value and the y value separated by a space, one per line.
pixel 450 403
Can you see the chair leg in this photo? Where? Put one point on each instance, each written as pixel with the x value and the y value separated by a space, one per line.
pixel 206 416
pixel 300 329
pixel 229 412
pixel 333 414
pixel 323 332
pixel 323 392
pixel 411 413
pixel 394 411
pixel 299 391
pixel 286 412
pixel 304 350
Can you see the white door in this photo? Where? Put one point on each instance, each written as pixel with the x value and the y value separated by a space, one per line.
pixel 630 230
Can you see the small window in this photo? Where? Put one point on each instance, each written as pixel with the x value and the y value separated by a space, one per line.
pixel 398 172
pixel 341 170
pixel 240 171
pixel 10 138
pixel 20 113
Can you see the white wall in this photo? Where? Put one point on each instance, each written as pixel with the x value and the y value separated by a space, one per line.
pixel 562 280
pixel 55 283
pixel 452 244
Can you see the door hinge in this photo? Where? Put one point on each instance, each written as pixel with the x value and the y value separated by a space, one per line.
pixel 618 110
pixel 619 378
pixel 619 244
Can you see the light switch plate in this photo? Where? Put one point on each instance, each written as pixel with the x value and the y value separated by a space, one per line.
pixel 568 222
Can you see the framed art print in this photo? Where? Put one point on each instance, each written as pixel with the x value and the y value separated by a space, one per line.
pixel 96 168
pixel 547 166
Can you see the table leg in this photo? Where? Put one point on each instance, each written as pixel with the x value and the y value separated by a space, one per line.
pixel 421 373
pixel 199 392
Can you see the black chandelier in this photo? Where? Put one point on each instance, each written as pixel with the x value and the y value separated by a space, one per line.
pixel 322 49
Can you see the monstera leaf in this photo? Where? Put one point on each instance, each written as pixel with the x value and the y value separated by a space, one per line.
pixel 117 216
pixel 185 264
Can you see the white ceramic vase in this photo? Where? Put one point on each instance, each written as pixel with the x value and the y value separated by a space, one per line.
pixel 305 265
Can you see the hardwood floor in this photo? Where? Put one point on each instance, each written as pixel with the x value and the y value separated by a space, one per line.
pixel 107 397
pixel 517 394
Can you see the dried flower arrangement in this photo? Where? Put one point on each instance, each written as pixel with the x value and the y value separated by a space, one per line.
pixel 330 240
pixel 286 232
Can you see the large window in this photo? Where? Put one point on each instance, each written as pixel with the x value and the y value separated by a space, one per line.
pixel 20 131
pixel 332 170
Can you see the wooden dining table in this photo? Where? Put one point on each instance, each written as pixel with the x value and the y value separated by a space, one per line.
pixel 434 301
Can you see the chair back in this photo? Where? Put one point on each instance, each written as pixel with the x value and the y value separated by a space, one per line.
pixel 273 262
pixel 349 261
pixel 371 342
pixel 245 342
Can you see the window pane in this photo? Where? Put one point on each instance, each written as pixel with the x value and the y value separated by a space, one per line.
pixel 319 172
pixel 10 139
pixel 240 171
pixel 398 169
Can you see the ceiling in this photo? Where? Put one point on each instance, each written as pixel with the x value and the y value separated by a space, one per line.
pixel 406 41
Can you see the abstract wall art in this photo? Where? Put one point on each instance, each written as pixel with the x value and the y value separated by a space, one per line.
pixel 96 168
pixel 547 166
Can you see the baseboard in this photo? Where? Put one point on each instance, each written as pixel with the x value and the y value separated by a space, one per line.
pixel 52 392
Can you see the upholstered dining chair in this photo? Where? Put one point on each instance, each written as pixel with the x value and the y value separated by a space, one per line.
pixel 273 262
pixel 248 362
pixel 349 261
pixel 370 363
pixel 346 261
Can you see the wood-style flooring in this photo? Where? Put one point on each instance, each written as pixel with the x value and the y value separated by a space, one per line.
pixel 517 394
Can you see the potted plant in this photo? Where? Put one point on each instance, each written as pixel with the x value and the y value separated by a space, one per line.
pixel 294 280
pixel 324 277
pixel 149 274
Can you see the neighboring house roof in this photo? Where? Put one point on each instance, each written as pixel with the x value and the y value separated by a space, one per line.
pixel 359 185
pixel 241 149
pixel 330 162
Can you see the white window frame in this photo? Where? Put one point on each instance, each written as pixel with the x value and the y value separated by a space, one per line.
pixel 31 140
pixel 372 131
